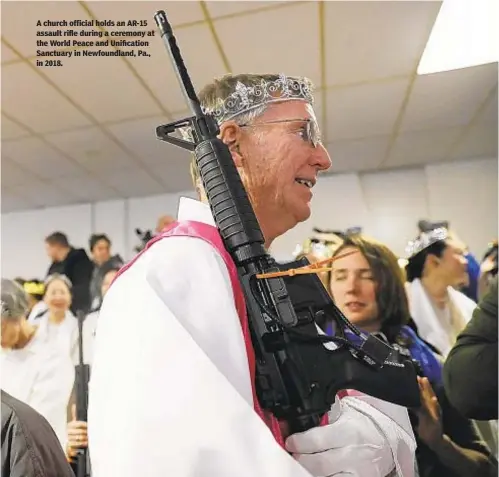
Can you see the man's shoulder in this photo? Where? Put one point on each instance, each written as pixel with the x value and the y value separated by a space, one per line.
pixel 12 408
pixel 33 445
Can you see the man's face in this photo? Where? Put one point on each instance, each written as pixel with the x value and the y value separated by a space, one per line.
pixel 280 165
pixel 101 251
pixel 52 251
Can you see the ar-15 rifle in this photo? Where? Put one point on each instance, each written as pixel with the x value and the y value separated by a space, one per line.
pixel 82 376
pixel 297 377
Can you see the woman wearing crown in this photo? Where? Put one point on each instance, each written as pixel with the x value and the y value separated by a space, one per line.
pixel 436 264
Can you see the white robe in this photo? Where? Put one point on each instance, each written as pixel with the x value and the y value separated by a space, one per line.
pixel 41 375
pixel 430 326
pixel 170 391
pixel 66 334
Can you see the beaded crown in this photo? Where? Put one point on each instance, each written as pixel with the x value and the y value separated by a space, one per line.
pixel 424 240
pixel 246 98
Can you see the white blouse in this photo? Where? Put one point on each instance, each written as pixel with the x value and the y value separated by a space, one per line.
pixel 41 375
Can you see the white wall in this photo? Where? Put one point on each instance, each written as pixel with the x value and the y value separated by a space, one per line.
pixel 386 204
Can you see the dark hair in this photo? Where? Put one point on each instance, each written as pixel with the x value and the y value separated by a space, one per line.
pixel 94 238
pixel 415 265
pixel 57 238
pixel 393 307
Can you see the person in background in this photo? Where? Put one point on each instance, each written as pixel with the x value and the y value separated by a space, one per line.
pixel 74 264
pixel 470 371
pixel 91 320
pixel 100 248
pixel 34 369
pixel 29 444
pixel 470 287
pixel 368 288
pixel 77 430
pixel 488 268
pixel 173 356
pixel 58 322
pixel 163 222
pixel 469 282
pixel 436 265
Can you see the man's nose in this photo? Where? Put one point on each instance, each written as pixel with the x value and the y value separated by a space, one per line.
pixel 321 158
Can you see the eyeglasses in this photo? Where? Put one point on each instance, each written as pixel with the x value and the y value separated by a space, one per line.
pixel 309 132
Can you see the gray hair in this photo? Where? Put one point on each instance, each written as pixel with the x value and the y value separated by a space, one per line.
pixel 14 302
pixel 60 277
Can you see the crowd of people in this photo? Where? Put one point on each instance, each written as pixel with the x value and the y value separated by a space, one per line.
pixel 40 341
pixel 156 384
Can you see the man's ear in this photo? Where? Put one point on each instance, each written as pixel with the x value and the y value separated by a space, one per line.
pixel 230 134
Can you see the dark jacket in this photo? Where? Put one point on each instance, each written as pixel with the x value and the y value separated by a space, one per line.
pixel 30 447
pixel 78 267
pixel 470 371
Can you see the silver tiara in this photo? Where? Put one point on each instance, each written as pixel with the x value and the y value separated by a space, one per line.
pixel 424 240
pixel 246 98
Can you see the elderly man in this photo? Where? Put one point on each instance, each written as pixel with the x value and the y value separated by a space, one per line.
pixel 172 386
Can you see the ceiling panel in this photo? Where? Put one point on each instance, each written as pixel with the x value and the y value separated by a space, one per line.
pixel 12 174
pixel 480 141
pixel 364 111
pixel 11 130
pixel 221 9
pixel 39 158
pixel 176 179
pixel 91 83
pixel 11 202
pixel 489 113
pixel 45 195
pixel 94 150
pixel 28 98
pixel 366 41
pixel 422 147
pixel 178 12
pixel 158 72
pixel 135 183
pixel 357 155
pixel 140 137
pixel 448 99
pixel 20 27
pixel 273 49
pixel 8 54
pixel 84 186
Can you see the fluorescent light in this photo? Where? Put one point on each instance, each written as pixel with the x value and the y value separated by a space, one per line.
pixel 465 34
